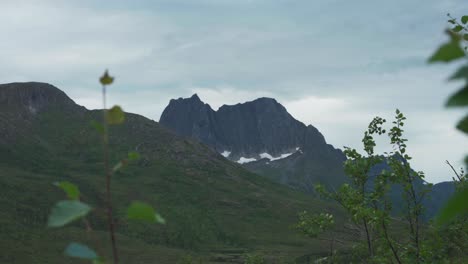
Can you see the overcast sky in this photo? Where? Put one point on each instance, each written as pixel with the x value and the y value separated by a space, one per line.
pixel 333 64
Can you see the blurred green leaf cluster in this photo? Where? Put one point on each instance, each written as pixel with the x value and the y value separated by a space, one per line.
pixel 455 51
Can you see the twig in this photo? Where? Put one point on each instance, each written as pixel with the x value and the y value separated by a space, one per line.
pixel 456 173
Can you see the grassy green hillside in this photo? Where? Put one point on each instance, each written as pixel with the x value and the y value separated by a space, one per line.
pixel 214 208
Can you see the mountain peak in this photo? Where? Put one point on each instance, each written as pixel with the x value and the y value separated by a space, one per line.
pixel 246 129
pixel 33 96
pixel 262 101
pixel 180 115
pixel 195 97
pixel 193 100
pixel 261 135
pixel 266 100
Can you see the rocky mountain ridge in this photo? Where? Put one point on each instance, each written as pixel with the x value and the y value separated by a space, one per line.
pixel 263 136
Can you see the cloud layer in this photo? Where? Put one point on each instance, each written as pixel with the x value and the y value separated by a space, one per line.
pixel 333 64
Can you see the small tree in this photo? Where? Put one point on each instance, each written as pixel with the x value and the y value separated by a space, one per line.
pixel 315 225
pixel 366 197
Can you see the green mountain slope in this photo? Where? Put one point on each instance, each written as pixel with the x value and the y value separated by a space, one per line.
pixel 213 207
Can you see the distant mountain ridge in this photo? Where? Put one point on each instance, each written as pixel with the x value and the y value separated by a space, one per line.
pixel 264 136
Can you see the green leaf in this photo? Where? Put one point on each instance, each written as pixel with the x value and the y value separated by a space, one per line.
pixel 98 126
pixel 118 166
pixel 447 52
pixel 463 124
pixel 69 188
pixel 457 28
pixel 160 219
pixel 457 204
pixel 106 79
pixel 462 73
pixel 98 261
pixel 460 98
pixel 67 211
pixel 115 115
pixel 464 19
pixel 133 155
pixel 144 212
pixel 465 37
pixel 78 250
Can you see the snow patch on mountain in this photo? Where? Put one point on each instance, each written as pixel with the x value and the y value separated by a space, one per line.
pixel 243 160
pixel 282 156
pixel 271 158
pixel 266 155
pixel 226 153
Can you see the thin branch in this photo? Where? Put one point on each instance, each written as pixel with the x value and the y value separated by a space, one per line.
pixel 413 213
pixel 110 219
pixel 454 171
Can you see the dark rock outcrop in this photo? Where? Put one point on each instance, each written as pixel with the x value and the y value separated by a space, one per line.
pixel 248 129
pixel 192 118
pixel 258 129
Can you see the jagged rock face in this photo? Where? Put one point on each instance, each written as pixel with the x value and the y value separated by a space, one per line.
pixel 192 118
pixel 298 154
pixel 245 130
pixel 260 126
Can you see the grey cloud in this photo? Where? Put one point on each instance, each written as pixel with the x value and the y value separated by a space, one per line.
pixel 356 59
